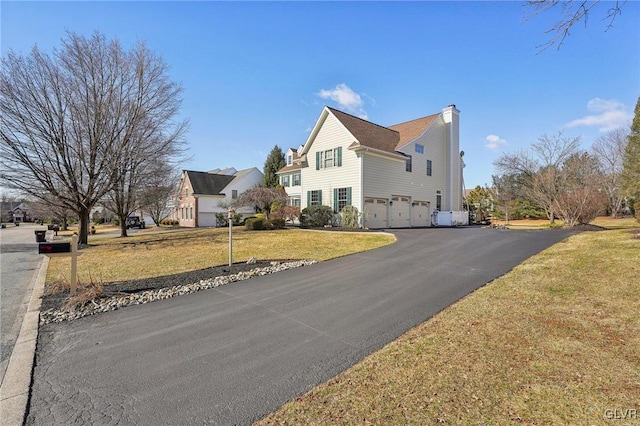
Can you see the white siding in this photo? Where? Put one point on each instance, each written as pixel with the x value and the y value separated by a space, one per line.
pixel 332 135
pixel 384 177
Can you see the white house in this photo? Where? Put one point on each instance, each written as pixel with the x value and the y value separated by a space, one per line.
pixel 203 194
pixel 397 176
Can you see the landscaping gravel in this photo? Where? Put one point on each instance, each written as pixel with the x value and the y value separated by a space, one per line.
pixel 136 292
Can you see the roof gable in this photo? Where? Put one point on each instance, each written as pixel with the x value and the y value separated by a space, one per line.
pixel 367 133
pixel 370 135
pixel 409 130
pixel 204 183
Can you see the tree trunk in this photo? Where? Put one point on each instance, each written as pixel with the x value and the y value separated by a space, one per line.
pixel 123 226
pixel 83 235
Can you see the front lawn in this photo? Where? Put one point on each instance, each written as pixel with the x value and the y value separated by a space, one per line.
pixel 147 255
pixel 556 341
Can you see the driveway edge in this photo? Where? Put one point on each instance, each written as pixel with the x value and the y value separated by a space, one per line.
pixel 14 392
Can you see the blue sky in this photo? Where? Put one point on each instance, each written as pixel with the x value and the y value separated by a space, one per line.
pixel 258 74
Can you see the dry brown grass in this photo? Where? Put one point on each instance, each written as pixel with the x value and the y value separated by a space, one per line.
pixel 555 341
pixel 158 254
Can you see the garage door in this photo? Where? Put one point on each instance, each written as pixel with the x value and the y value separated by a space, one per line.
pixel 400 212
pixel 206 219
pixel 420 213
pixel 375 213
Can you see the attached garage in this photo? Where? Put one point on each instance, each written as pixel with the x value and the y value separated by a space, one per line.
pixel 206 219
pixel 375 213
pixel 420 213
pixel 400 212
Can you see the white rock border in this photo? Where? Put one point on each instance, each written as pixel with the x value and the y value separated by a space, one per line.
pixel 113 303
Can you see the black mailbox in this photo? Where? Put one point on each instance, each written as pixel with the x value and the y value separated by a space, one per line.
pixel 48 248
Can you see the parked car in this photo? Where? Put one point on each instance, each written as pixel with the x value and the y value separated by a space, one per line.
pixel 135 222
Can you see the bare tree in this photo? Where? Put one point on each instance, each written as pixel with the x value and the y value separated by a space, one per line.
pixel 608 150
pixel 47 208
pixel 539 169
pixel 160 187
pixel 263 198
pixel 504 193
pixel 571 12
pixel 580 198
pixel 69 119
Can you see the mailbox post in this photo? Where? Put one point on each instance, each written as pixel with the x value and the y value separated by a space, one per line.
pixel 64 250
pixel 230 214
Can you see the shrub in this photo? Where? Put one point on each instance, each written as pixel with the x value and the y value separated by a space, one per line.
pixel 350 217
pixel 255 224
pixel 169 222
pixel 221 219
pixel 288 213
pixel 636 209
pixel 277 223
pixel 237 219
pixel 314 216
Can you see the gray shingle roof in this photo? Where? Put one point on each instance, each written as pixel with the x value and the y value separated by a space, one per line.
pixel 205 183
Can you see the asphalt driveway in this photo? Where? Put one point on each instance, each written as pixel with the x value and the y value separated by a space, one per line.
pixel 233 354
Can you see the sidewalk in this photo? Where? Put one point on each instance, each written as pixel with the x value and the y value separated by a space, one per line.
pixel 14 391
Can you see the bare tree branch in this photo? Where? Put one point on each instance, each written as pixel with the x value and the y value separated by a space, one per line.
pixel 571 13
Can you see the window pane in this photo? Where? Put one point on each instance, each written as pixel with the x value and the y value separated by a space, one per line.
pixel 328 158
pixel 419 148
pixel 408 163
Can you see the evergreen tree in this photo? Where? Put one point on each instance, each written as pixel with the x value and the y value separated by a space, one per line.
pixel 631 160
pixel 275 161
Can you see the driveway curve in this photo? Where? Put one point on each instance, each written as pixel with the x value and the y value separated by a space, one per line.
pixel 232 354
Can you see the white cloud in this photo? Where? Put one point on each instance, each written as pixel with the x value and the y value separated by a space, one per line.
pixel 346 99
pixel 494 142
pixel 608 114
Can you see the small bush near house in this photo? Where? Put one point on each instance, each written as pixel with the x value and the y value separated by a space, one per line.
pixel 169 222
pixel 237 219
pixel 277 223
pixel 315 216
pixel 255 224
pixel 288 213
pixel 350 217
pixel 221 219
pixel 636 209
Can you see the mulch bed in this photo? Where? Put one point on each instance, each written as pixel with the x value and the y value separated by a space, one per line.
pixel 57 300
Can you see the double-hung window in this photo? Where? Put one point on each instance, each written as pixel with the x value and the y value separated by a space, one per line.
pixel 297 179
pixel 429 167
pixel 314 198
pixel 341 198
pixel 284 180
pixel 408 163
pixel 329 158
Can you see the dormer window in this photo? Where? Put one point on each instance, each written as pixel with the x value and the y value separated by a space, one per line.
pixel 289 159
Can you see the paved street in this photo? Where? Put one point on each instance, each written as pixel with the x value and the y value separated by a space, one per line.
pixel 233 354
pixel 19 262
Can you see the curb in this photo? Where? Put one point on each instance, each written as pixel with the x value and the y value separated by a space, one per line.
pixel 15 389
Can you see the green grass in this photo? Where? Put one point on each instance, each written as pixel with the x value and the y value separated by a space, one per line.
pixel 555 341
pixel 145 255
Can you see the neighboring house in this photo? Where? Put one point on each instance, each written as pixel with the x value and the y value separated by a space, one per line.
pixel 397 176
pixel 203 194
pixel 15 211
